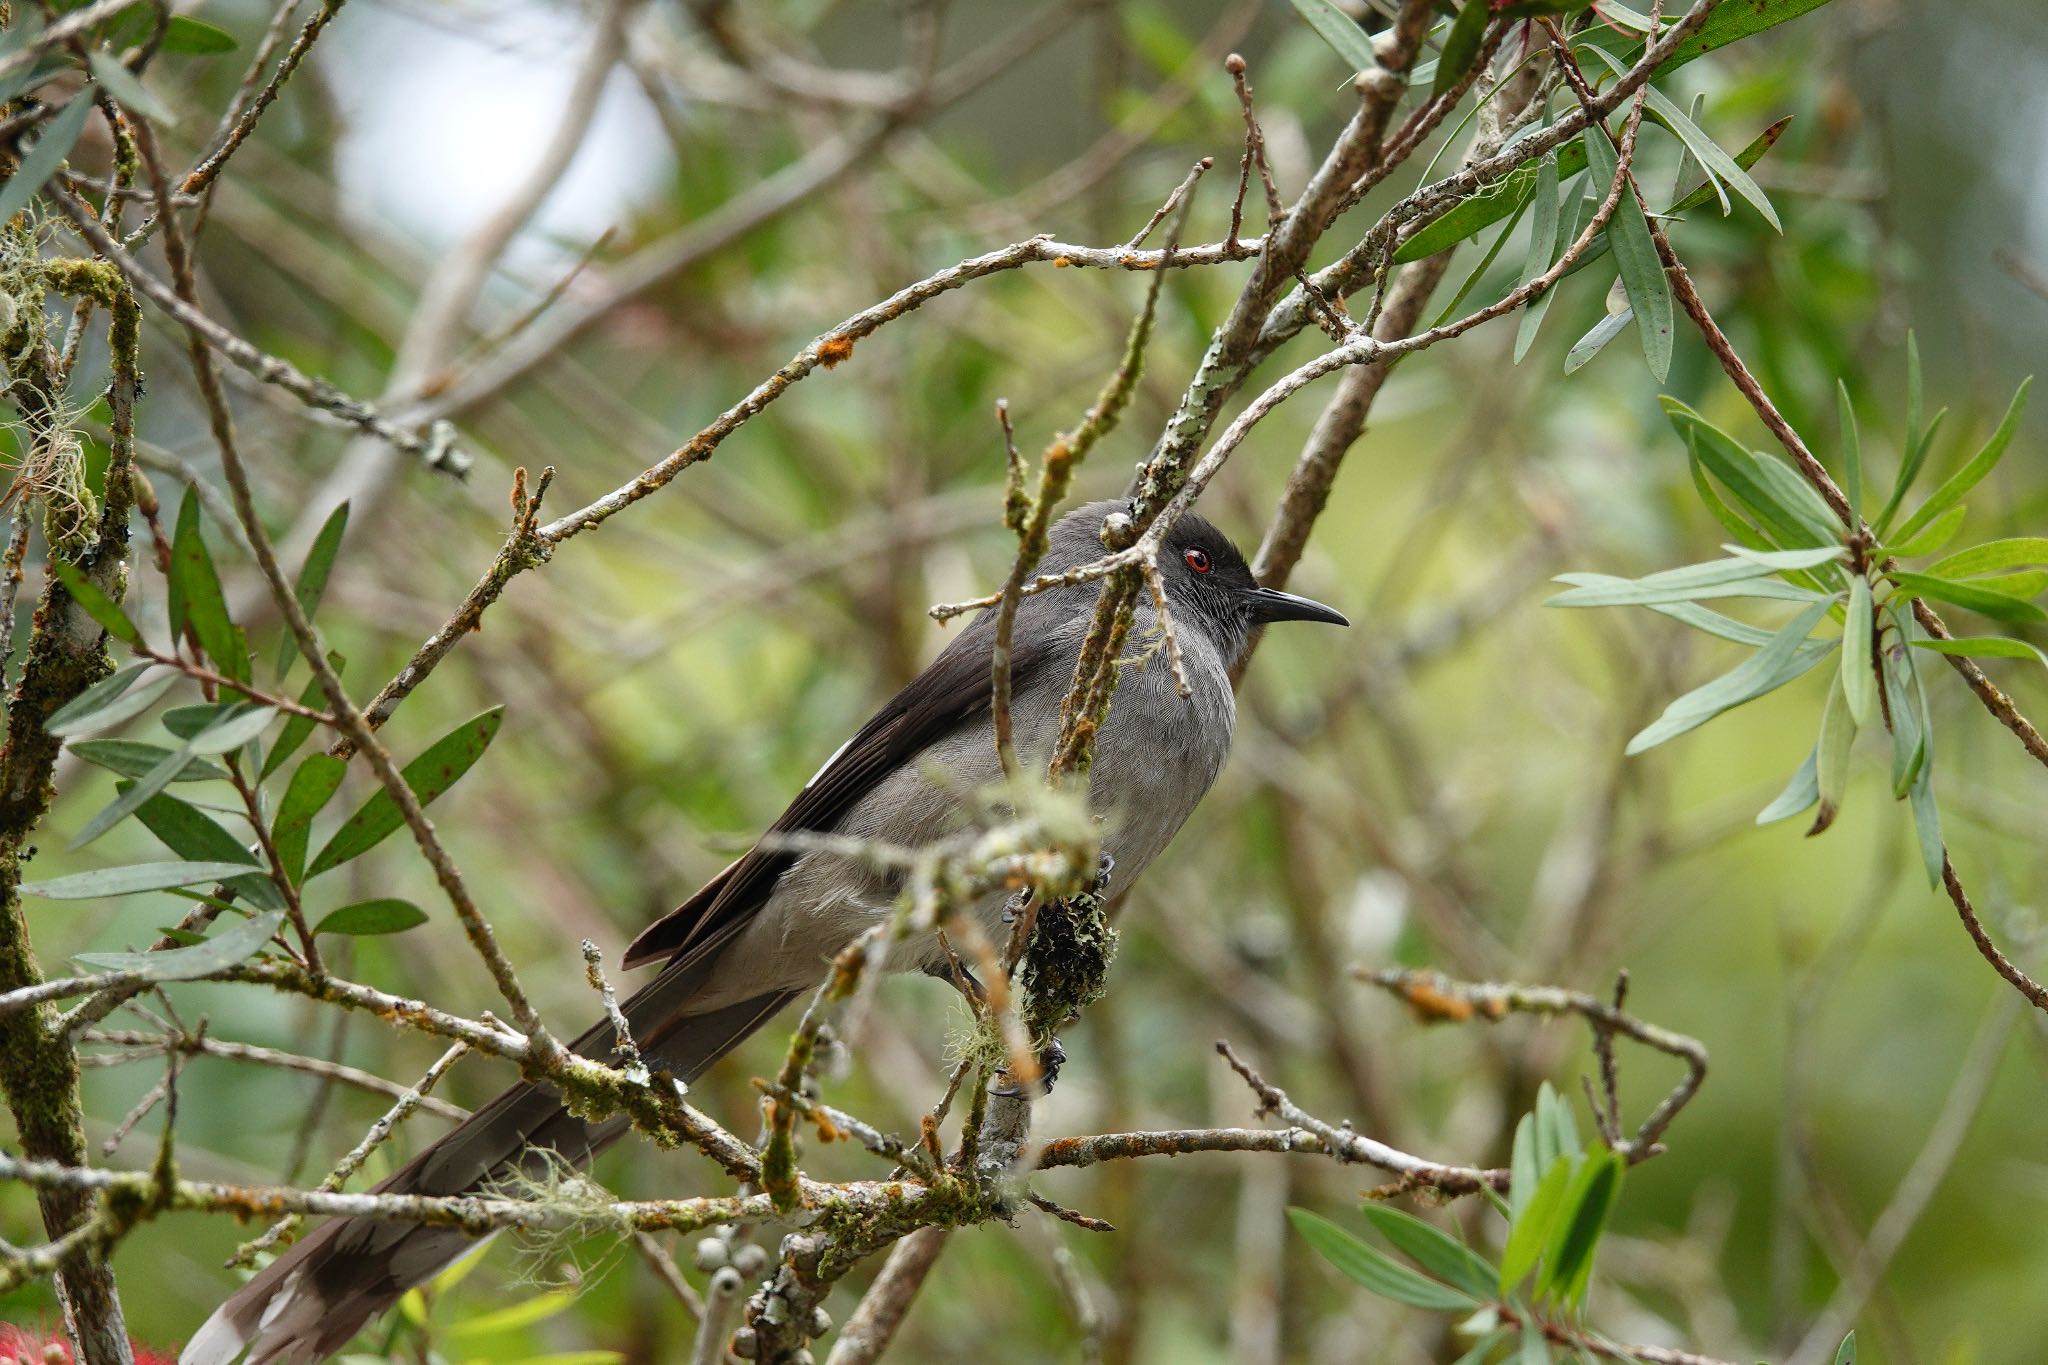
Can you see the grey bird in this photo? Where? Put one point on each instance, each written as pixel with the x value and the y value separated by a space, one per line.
pixel 761 933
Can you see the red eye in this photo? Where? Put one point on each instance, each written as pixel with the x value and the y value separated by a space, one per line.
pixel 1198 560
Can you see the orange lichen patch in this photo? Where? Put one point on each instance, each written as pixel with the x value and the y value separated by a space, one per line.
pixel 1130 262
pixel 828 1131
pixel 1434 1005
pixel 1062 261
pixel 832 350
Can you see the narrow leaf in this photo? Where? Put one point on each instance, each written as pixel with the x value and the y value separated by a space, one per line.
pixel 1859 659
pixel 1985 647
pixel 313 785
pixel 1983 600
pixel 1771 667
pixel 1745 158
pixel 1992 557
pixel 1845 1354
pixel 103 609
pixel 1852 452
pixel 372 917
pixel 1374 1269
pixel 1340 31
pixel 1801 792
pixel 1461 46
pixel 432 773
pixel 1435 1250
pixel 1672 585
pixel 297 728
pixel 232 731
pixel 1958 484
pixel 193 38
pixel 1642 273
pixel 126 881
pixel 1721 168
pixel 1582 1215
pixel 1610 326
pixel 1530 1232
pixel 194 835
pixel 95 708
pixel 1543 248
pixel 313 576
pixel 1932 536
pixel 231 945
pixel 132 758
pixel 58 137
pixel 127 89
pixel 1831 771
pixel 197 598
pixel 146 786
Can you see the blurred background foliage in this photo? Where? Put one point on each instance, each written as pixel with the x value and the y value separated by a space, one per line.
pixel 1441 786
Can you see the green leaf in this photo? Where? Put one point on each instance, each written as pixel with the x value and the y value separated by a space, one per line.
pixel 231 945
pixel 1675 585
pixel 196 597
pixel 432 773
pixel 1610 326
pixel 1991 557
pixel 194 835
pixel 1771 667
pixel 132 758
pixel 1909 746
pixel 1801 792
pixel 1535 1348
pixel 312 582
pixel 1983 600
pixel 59 135
pixel 1337 28
pixel 128 90
pixel 1859 659
pixel 1846 1353
pixel 96 604
pixel 1958 484
pixel 1555 1116
pixel 233 730
pixel 1985 647
pixel 313 785
pixel 1831 770
pixel 1852 453
pixel 1721 168
pixel 1435 1250
pixel 1804 557
pixel 107 882
pixel 1745 158
pixel 1530 1231
pixel 298 728
pixel 1543 249
pixel 124 804
pixel 2028 584
pixel 372 917
pixel 83 711
pixel 1581 1218
pixel 1461 46
pixel 1749 478
pixel 189 36
pixel 1926 816
pixel 1732 23
pixel 1934 535
pixel 1524 1171
pixel 1373 1268
pixel 1642 273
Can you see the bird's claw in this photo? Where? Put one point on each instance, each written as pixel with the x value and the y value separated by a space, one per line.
pixel 1050 1059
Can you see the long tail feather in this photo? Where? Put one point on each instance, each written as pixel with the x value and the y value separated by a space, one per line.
pixel 309 1302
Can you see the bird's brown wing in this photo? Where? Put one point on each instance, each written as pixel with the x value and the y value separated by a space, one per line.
pixel 951 691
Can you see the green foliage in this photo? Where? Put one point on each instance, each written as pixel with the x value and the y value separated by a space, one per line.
pixel 1855 578
pixel 1560 1197
pixel 429 775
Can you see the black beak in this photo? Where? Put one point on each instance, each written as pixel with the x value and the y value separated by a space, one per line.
pixel 1270 604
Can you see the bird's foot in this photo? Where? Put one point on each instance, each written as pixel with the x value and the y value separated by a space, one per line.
pixel 1050 1059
